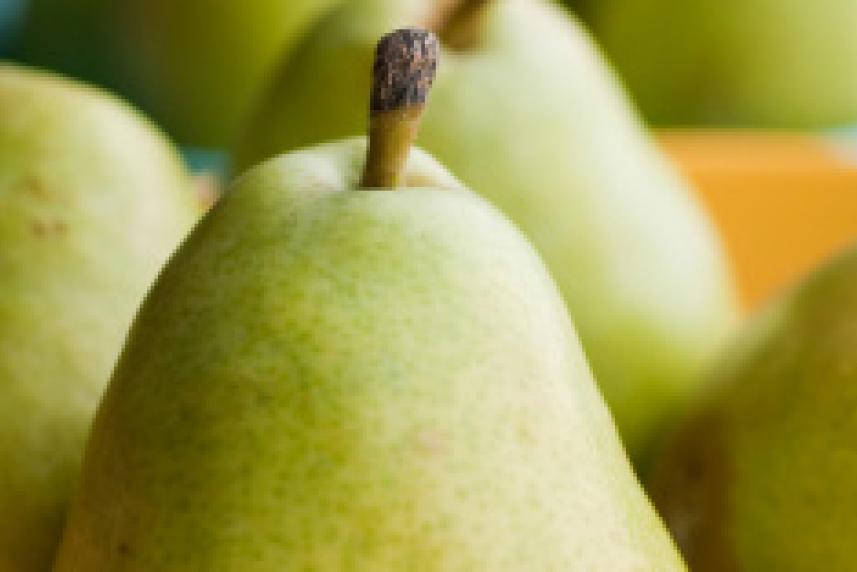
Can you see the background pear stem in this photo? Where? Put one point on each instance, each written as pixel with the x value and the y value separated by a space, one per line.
pixel 459 23
pixel 405 65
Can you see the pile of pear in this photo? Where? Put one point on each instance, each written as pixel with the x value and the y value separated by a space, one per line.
pixel 361 359
pixel 526 112
pixel 336 377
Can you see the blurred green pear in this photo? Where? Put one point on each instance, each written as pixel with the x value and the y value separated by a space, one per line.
pixel 773 63
pixel 196 65
pixel 92 201
pixel 199 65
pixel 761 476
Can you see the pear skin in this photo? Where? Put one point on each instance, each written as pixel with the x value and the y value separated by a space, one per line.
pixel 93 200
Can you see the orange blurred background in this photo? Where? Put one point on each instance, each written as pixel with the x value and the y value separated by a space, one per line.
pixel 784 202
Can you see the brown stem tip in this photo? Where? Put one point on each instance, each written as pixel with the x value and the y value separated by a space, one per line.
pixel 405 66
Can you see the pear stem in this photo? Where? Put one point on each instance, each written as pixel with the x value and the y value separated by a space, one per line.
pixel 459 22
pixel 405 65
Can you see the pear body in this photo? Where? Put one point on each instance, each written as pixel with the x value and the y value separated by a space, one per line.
pixel 387 380
pixel 758 479
pixel 199 65
pixel 533 119
pixel 775 63
pixel 92 201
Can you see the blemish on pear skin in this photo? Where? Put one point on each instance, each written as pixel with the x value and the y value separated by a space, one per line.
pixel 45 229
pixel 34 187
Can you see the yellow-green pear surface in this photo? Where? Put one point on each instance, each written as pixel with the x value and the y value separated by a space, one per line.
pixel 526 112
pixel 92 201
pixel 332 375
pixel 780 63
pixel 332 379
pixel 762 476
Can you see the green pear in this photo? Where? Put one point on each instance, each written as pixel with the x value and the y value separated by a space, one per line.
pixel 779 63
pixel 336 374
pixel 199 65
pixel 761 476
pixel 92 202
pixel 526 102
